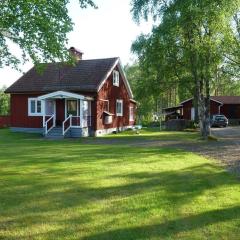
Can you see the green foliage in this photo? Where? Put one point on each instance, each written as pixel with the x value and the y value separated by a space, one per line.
pixel 4 102
pixel 192 50
pixel 142 92
pixel 38 27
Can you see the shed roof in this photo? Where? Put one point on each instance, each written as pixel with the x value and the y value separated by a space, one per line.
pixel 227 99
pixel 220 99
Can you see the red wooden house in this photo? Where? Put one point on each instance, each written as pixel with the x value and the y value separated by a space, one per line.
pixel 91 98
pixel 226 105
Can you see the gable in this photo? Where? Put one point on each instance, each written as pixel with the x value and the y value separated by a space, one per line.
pixel 189 101
pixel 117 66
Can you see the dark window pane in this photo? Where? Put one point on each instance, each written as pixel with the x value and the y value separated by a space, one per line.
pixel 32 106
pixel 39 107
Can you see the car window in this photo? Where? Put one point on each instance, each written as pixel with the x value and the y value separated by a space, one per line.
pixel 220 118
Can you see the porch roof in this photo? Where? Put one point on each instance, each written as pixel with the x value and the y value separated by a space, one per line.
pixel 63 95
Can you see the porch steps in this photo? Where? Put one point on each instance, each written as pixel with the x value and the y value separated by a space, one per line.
pixel 55 133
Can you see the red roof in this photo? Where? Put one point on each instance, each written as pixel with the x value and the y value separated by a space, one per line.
pixel 220 99
pixel 227 99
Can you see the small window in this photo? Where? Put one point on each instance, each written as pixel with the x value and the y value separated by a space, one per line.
pixel 35 107
pixel 119 108
pixel 116 78
pixel 131 114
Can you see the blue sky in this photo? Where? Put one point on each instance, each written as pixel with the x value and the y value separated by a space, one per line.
pixel 106 32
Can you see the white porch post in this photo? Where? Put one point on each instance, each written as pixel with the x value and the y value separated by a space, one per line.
pixel 44 112
pixel 81 113
pixel 90 113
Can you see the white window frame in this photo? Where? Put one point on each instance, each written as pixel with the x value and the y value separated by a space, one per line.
pixel 115 78
pixel 131 114
pixel 119 114
pixel 29 107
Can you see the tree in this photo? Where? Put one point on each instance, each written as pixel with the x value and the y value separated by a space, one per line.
pixel 4 102
pixel 136 78
pixel 39 28
pixel 198 36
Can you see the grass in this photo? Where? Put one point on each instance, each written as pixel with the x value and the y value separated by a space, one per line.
pixel 77 190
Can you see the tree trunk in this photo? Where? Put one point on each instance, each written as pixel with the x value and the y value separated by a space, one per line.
pixel 201 108
pixel 195 103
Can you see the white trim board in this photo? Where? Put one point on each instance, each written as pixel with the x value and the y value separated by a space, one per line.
pixel 63 95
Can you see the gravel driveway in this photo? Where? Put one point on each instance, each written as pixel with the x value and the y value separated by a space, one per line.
pixel 226 149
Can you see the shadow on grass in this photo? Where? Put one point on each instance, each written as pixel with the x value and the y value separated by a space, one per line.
pixel 66 184
pixel 172 227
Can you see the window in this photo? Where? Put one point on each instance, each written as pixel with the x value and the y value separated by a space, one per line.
pixel 131 114
pixel 35 107
pixel 116 78
pixel 72 107
pixel 119 108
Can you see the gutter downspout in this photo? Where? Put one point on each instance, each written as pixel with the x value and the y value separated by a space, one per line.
pixel 219 109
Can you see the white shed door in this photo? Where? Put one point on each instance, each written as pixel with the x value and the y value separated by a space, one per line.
pixel 192 113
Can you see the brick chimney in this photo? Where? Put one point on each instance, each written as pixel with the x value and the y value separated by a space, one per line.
pixel 77 54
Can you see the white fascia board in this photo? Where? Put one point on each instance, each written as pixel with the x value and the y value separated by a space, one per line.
pixel 181 103
pixel 216 101
pixel 63 95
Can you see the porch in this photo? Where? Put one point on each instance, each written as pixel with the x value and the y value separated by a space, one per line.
pixel 65 112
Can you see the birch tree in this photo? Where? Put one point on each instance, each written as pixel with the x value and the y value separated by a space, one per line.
pixel 201 36
pixel 38 27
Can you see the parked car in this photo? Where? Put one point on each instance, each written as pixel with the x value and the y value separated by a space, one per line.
pixel 219 121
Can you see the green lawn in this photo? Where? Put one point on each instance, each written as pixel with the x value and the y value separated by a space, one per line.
pixel 73 190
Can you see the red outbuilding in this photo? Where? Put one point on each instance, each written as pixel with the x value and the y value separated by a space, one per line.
pixel 225 105
pixel 91 98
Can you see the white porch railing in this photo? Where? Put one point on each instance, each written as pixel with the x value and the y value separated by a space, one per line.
pixel 78 122
pixel 75 122
pixel 64 128
pixel 48 125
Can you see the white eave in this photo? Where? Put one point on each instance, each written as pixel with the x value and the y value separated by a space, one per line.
pixel 63 95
